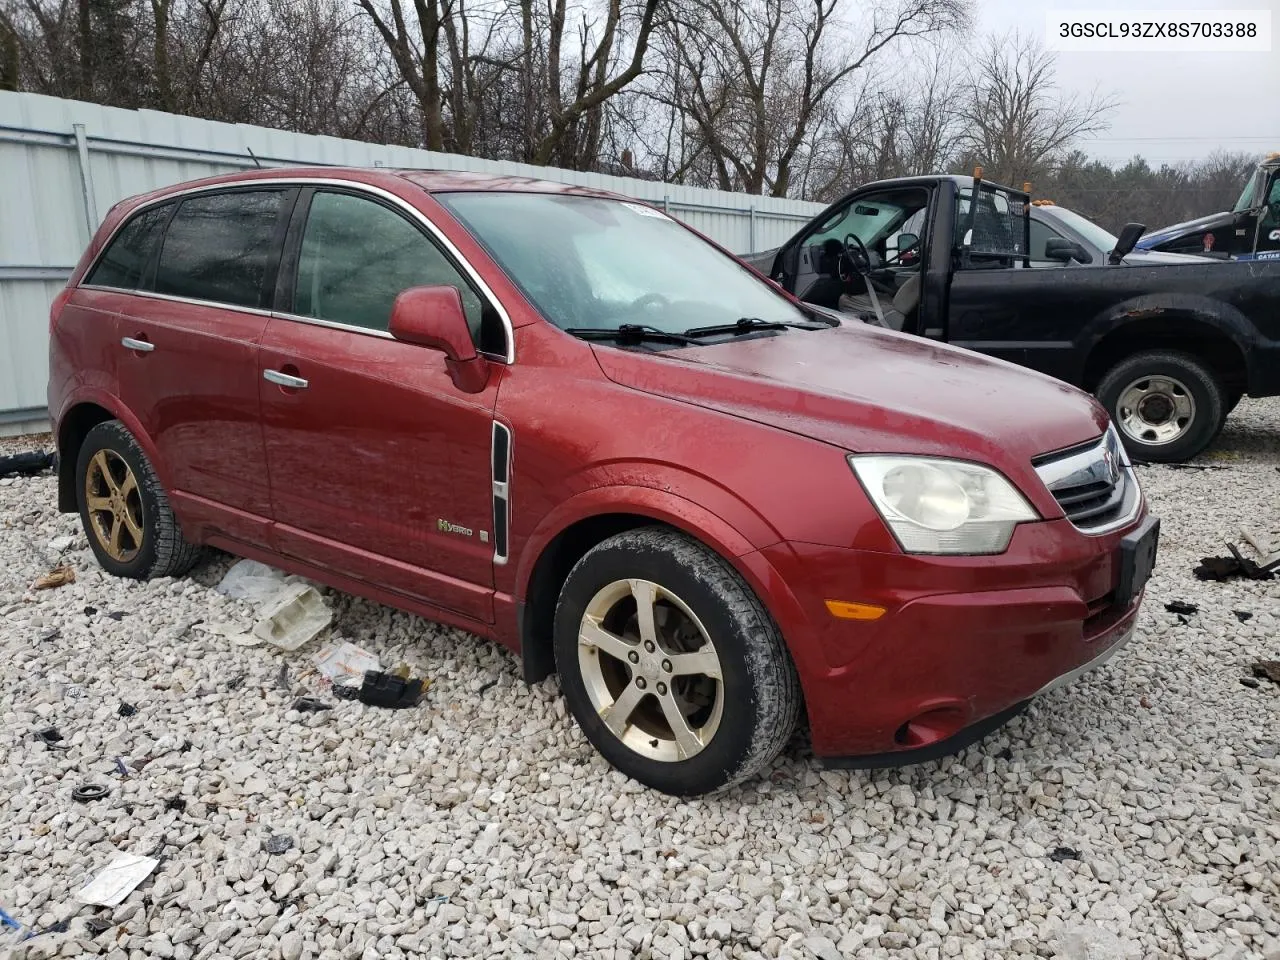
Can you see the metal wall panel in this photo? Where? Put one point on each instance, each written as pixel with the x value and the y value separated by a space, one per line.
pixel 48 208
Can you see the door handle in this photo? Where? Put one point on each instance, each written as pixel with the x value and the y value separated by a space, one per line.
pixel 142 346
pixel 284 379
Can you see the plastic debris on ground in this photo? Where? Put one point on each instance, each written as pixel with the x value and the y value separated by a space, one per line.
pixel 296 615
pixel 57 577
pixel 1266 670
pixel 90 792
pixel 12 930
pixel 117 880
pixel 126 709
pixel 1060 854
pixel 310 705
pixel 51 738
pixel 1244 616
pixel 345 662
pixel 1182 607
pixel 233 632
pixel 279 843
pixel 394 690
pixel 1236 565
pixel 26 464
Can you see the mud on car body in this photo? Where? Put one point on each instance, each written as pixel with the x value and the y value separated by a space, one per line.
pixel 564 421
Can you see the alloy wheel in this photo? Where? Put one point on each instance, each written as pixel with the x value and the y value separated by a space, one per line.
pixel 114 505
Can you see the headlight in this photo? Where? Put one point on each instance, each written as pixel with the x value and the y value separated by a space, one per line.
pixel 943 506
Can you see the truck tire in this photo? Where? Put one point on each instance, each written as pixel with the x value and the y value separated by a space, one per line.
pixel 1168 406
pixel 671 665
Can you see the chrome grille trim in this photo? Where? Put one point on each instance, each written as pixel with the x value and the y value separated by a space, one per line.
pixel 1094 484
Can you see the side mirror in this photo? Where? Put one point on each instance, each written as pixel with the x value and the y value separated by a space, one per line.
pixel 1125 244
pixel 1064 251
pixel 907 242
pixel 433 317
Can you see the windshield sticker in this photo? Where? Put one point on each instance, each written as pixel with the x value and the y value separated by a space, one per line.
pixel 1271 255
pixel 645 211
pixel 1274 235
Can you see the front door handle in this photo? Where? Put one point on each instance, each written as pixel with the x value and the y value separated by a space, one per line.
pixel 142 346
pixel 284 379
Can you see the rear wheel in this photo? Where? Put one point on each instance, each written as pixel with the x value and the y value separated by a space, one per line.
pixel 124 510
pixel 671 666
pixel 1168 406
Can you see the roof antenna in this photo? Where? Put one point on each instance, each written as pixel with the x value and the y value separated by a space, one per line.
pixel 255 157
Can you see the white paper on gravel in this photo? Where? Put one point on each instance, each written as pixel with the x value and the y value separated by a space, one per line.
pixel 117 880
pixel 341 662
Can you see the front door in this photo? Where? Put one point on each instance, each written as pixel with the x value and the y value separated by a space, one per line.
pixel 379 465
pixel 188 355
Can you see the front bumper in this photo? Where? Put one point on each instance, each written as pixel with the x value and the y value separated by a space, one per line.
pixel 964 640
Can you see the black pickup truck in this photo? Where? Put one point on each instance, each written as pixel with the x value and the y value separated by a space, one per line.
pixel 1169 344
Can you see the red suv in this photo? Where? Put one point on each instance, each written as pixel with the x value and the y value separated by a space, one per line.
pixel 561 419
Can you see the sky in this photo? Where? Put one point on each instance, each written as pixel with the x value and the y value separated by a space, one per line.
pixel 1174 106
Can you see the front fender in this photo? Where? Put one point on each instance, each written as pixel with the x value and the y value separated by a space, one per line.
pixel 84 394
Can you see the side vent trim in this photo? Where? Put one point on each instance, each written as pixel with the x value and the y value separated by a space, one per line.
pixel 501 450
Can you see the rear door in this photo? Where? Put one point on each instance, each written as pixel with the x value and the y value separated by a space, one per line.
pixel 379 464
pixel 188 355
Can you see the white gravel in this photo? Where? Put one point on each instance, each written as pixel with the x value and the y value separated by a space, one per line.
pixel 481 824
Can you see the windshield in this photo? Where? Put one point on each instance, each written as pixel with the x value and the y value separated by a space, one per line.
pixel 596 263
pixel 1092 233
pixel 1252 195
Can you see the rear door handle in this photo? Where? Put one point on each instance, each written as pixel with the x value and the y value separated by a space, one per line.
pixel 142 346
pixel 284 379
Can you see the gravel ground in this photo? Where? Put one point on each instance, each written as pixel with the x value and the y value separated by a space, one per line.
pixel 1135 814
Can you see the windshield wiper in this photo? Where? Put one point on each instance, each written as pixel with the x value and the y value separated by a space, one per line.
pixel 626 333
pixel 752 324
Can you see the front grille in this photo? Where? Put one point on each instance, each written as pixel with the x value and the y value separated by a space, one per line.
pixel 1092 483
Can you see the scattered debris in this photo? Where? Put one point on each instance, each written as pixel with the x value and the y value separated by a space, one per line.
pixel 122 767
pixel 27 464
pixel 297 615
pixel 346 691
pixel 176 803
pixel 235 682
pixel 1060 854
pixel 12 931
pixel 310 705
pixel 89 792
pixel 1266 670
pixel 346 660
pixel 1144 702
pixel 73 691
pixel 231 631
pixel 1244 616
pixel 57 577
pixel 388 690
pixel 1181 606
pixel 90 611
pixel 282 678
pixel 62 926
pixel 51 738
pixel 279 843
pixel 98 925
pixel 1250 682
pixel 1225 568
pixel 126 709
pixel 117 615
pixel 117 880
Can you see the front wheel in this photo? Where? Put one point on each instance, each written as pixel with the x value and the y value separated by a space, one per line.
pixel 1168 406
pixel 672 667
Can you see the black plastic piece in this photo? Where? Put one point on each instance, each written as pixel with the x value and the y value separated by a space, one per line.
pixel 89 792
pixel 387 690
pixel 26 464
pixel 934 751
pixel 310 705
pixel 126 709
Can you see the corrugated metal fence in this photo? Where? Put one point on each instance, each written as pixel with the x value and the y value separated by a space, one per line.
pixel 64 163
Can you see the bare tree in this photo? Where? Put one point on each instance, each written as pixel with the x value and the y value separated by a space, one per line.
pixel 1016 120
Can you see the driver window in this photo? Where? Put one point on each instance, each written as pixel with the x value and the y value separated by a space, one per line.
pixel 1041 234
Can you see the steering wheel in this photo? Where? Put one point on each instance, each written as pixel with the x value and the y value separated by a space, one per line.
pixel 858 255
pixel 649 300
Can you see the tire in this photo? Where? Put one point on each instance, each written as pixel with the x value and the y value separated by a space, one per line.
pixel 739 722
pixel 1167 406
pixel 149 543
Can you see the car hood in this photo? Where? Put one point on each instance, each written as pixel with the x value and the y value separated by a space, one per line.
pixel 1187 226
pixel 868 390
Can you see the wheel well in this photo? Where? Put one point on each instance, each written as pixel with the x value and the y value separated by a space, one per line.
pixel 1170 332
pixel 72 429
pixel 537 623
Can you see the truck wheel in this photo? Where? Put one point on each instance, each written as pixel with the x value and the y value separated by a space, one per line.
pixel 124 510
pixel 670 664
pixel 1168 406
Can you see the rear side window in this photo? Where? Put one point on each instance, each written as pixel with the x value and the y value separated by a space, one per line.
pixel 358 255
pixel 127 256
pixel 220 247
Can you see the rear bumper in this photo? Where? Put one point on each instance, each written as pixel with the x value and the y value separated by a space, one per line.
pixel 963 641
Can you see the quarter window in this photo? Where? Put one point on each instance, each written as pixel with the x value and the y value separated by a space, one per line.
pixel 356 258
pixel 127 256
pixel 220 247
